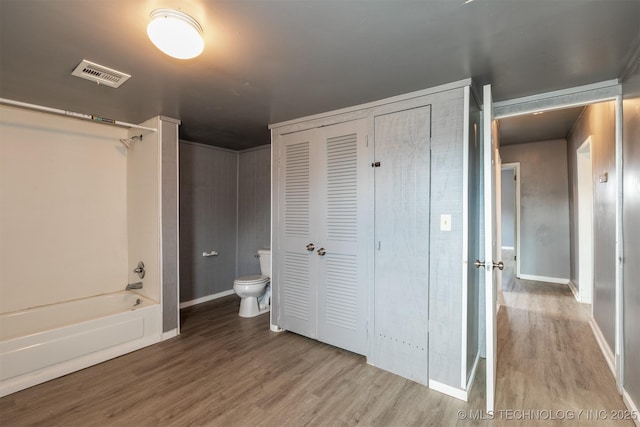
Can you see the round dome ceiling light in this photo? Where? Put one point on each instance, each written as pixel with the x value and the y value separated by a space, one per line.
pixel 175 33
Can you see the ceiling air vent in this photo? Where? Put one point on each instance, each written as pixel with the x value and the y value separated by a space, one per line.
pixel 100 74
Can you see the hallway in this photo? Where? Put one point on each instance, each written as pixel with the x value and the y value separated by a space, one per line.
pixel 548 357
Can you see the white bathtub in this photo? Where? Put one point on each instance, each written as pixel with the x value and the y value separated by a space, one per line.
pixel 43 343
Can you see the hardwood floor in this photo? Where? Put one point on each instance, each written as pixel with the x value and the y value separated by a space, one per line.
pixel 227 371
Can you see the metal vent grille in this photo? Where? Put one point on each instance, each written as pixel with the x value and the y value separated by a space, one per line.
pixel 100 74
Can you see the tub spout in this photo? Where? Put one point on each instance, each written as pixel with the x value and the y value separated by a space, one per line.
pixel 137 285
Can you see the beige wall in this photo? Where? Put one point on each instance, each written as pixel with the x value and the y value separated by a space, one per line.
pixel 143 213
pixel 63 209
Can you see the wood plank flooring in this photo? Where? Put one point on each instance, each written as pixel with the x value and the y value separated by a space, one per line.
pixel 227 371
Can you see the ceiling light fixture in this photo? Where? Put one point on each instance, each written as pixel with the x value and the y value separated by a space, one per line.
pixel 175 33
pixel 538 113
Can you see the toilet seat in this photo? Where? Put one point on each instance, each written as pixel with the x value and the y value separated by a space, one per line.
pixel 256 279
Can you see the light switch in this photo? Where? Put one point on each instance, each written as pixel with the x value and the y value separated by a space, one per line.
pixel 445 222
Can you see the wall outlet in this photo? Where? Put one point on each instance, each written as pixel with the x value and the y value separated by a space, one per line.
pixel 445 222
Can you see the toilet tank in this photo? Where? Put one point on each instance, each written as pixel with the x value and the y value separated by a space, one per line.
pixel 265 261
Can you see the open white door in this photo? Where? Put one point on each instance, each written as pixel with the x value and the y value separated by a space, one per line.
pixel 492 246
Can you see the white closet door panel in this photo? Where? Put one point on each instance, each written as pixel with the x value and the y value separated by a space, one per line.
pixel 296 295
pixel 342 271
pixel 402 146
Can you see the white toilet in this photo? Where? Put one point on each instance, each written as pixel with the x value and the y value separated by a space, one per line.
pixel 250 288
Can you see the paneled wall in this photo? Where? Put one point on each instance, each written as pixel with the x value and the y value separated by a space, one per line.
pixel 208 219
pixel 597 121
pixel 225 202
pixel 445 269
pixel 544 207
pixel 631 227
pixel 254 204
pixel 169 221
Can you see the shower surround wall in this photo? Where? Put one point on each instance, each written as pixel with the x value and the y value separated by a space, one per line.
pixel 224 207
pixel 63 209
pixel 78 210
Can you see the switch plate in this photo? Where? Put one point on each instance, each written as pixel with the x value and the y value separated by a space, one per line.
pixel 445 222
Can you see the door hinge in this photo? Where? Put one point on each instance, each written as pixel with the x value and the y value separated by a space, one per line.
pixel 515 258
pixel 375 164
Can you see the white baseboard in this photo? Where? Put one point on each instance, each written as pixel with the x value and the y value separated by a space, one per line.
pixel 170 334
pixel 207 298
pixel 631 406
pixel 448 390
pixel 574 290
pixel 604 347
pixel 544 279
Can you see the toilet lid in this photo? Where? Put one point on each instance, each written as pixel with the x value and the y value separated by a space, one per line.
pixel 251 280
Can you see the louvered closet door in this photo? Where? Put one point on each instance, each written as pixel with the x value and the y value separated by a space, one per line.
pixel 296 266
pixel 342 269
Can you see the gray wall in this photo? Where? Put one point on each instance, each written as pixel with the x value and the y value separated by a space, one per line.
pixel 508 208
pixel 544 207
pixel 631 227
pixel 169 171
pixel 597 120
pixel 208 219
pixel 445 274
pixel 254 205
pixel 225 200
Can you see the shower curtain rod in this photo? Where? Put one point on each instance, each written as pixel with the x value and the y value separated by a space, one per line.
pixel 74 115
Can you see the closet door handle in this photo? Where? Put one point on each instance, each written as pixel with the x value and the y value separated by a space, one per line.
pixel 310 247
pixel 322 252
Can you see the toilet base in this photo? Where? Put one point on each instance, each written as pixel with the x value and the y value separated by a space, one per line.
pixel 249 307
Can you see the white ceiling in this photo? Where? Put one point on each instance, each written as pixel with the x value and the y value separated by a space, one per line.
pixel 273 60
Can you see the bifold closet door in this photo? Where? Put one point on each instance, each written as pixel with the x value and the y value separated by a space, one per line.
pixel 321 253
pixel 295 253
pixel 401 284
pixel 342 255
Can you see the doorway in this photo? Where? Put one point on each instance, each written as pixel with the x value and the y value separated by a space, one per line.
pixel 510 212
pixel 580 158
pixel 585 223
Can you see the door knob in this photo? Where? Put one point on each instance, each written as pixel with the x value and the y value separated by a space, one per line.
pixel 499 265
pixel 310 247
pixel 478 263
pixel 321 252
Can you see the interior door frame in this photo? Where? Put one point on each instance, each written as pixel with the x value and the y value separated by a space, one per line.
pixel 609 90
pixel 489 183
pixel 585 224
pixel 515 167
